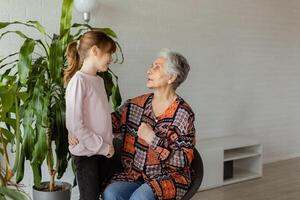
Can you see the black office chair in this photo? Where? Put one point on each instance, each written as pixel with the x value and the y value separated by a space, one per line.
pixel 197 176
pixel 197 169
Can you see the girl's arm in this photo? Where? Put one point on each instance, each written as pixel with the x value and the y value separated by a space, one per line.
pixel 92 143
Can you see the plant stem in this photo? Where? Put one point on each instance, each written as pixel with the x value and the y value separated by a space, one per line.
pixel 51 171
pixel 8 172
pixel 52 176
pixel 2 182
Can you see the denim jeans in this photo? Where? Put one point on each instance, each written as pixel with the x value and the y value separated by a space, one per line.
pixel 90 172
pixel 128 191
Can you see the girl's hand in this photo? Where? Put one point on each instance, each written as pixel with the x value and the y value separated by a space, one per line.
pixel 146 133
pixel 111 151
pixel 72 140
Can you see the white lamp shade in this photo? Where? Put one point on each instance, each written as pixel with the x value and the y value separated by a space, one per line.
pixel 85 6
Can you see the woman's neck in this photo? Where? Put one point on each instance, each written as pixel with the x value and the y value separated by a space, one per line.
pixel 164 94
pixel 162 100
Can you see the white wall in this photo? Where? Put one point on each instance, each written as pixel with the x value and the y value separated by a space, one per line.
pixel 245 59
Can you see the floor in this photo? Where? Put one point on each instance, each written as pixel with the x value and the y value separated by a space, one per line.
pixel 280 181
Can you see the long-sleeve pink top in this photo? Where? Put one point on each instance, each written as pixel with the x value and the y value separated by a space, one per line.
pixel 88 115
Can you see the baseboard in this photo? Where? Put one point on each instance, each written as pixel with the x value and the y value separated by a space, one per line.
pixel 276 159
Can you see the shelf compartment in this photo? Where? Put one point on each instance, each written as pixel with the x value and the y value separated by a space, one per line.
pixel 242 153
pixel 241 175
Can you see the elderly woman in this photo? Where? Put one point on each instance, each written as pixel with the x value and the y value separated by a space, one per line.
pixel 158 136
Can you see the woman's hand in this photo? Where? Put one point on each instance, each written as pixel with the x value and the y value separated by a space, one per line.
pixel 111 151
pixel 146 133
pixel 72 140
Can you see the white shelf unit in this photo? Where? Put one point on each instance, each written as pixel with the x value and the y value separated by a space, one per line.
pixel 244 154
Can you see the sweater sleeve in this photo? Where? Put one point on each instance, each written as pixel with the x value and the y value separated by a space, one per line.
pixel 92 143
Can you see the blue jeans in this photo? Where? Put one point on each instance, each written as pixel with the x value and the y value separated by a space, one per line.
pixel 128 191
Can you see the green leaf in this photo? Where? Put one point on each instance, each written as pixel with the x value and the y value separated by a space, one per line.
pixel 40 107
pixel 116 97
pixel 7 93
pixel 121 52
pixel 7 77
pixel 13 193
pixel 61 138
pixel 78 34
pixel 65 21
pixel 10 55
pixel 77 25
pixel 23 96
pixel 108 82
pixel 33 24
pixel 28 24
pixel 4 24
pixel 66 16
pixel 29 138
pixel 11 122
pixel 19 33
pixel 39 155
pixel 56 61
pixel 8 135
pixel 112 89
pixel 20 170
pixel 36 72
pixel 38 97
pixel 38 26
pixel 107 31
pixel 37 173
pixel 25 59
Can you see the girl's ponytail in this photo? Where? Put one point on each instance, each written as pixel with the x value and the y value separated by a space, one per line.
pixel 73 59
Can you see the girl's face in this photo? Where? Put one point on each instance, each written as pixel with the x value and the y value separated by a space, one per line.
pixel 101 59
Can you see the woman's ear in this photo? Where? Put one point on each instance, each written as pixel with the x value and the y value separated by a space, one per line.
pixel 172 78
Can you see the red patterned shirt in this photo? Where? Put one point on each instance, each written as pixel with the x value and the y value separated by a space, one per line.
pixel 164 164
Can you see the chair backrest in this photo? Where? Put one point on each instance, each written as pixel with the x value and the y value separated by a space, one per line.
pixel 197 175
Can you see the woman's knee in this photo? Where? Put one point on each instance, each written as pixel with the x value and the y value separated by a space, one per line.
pixel 144 192
pixel 109 193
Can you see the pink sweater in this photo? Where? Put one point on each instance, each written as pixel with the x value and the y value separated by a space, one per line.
pixel 88 115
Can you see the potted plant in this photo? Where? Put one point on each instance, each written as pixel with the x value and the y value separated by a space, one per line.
pixel 9 134
pixel 36 73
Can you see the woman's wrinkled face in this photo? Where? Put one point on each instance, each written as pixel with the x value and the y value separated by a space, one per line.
pixel 157 75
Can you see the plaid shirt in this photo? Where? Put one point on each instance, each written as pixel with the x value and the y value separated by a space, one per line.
pixel 164 164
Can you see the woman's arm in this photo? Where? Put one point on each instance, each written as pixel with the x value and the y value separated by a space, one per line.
pixel 178 147
pixel 118 119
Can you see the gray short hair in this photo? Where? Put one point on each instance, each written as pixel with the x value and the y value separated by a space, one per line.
pixel 176 64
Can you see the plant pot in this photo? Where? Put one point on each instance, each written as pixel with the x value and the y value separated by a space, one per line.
pixel 63 193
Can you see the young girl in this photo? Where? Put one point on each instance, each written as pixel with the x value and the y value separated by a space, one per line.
pixel 88 116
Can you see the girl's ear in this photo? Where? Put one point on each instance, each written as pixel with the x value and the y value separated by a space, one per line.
pixel 94 50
